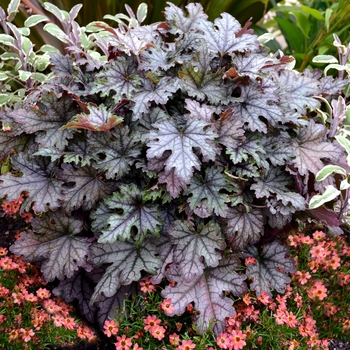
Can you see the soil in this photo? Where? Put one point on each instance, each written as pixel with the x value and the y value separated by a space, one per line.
pixel 8 229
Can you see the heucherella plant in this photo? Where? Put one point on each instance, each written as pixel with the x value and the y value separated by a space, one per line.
pixel 176 157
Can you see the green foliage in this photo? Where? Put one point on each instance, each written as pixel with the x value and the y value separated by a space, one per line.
pixel 308 28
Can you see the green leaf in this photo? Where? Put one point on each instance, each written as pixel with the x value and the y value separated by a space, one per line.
pixel 328 15
pixel 303 22
pixel 329 170
pixel 346 144
pixel 313 12
pixel 5 98
pixel 191 246
pixel 34 20
pixel 12 9
pixel 319 199
pixel 293 35
pixel 24 75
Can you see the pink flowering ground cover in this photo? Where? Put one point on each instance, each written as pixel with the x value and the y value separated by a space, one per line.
pixel 313 310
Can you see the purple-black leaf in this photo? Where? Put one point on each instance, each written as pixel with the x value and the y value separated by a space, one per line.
pixel 114 152
pixel 242 227
pixel 207 292
pixel 192 245
pixel 270 271
pixel 181 141
pixel 311 146
pixel 37 179
pixel 127 264
pixel 60 250
pixel 130 213
pixel 205 197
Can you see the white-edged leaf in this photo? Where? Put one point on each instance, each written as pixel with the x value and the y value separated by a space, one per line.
pixel 330 193
pixel 324 59
pixel 34 20
pixel 329 170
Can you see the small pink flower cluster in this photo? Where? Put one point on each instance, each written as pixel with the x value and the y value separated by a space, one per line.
pixel 12 207
pixel 32 303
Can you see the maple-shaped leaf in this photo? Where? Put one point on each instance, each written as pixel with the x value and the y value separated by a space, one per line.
pixel 179 22
pixel 80 288
pixel 114 152
pixel 243 227
pixel 129 42
pixel 98 119
pixel 108 307
pixel 130 213
pixel 9 140
pixel 297 91
pixel 230 129
pixel 203 112
pixel 119 79
pixel 256 104
pixel 78 151
pixel 194 245
pixel 181 141
pixel 46 118
pixel 155 58
pixel 198 81
pixel 159 92
pixel 249 148
pixel 84 187
pixel 156 115
pixel 174 184
pixel 127 263
pixel 277 148
pixel 37 180
pixel 223 36
pixel 204 191
pixel 58 248
pixel 207 292
pixel 99 217
pixel 270 271
pixel 275 181
pixel 62 65
pixel 311 146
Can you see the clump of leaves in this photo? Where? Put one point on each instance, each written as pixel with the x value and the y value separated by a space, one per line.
pixel 175 154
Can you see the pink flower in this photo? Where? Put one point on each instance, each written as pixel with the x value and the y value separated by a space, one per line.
pixel 123 343
pixel 157 332
pixel 43 293
pixel 318 235
pixel 147 286
pixel 167 307
pixel 186 345
pixel 317 290
pixel 302 276
pixel 151 321
pixel 110 328
pixel 223 341
pixel 237 339
pixel 291 320
pixel 26 334
pixel 174 339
